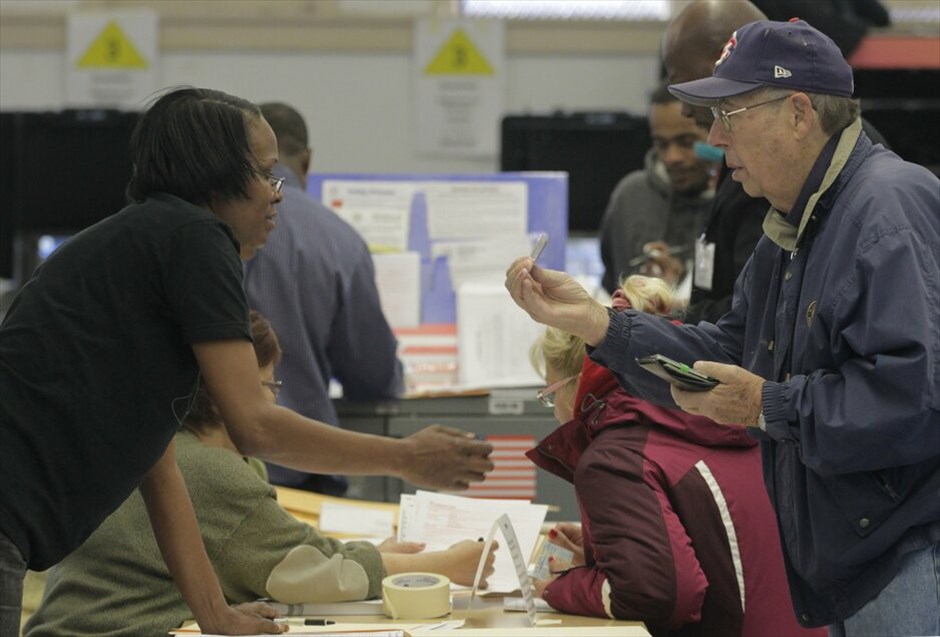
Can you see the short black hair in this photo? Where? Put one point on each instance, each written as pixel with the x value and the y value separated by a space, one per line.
pixel 288 126
pixel 193 143
pixel 661 95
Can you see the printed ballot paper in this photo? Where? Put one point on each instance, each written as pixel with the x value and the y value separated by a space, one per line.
pixel 351 519
pixel 440 520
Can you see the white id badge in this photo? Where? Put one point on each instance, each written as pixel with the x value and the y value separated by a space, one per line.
pixel 704 263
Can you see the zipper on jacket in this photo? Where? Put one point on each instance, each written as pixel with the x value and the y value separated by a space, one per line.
pixel 879 476
pixel 558 460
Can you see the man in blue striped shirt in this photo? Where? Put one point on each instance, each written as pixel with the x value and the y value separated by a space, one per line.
pixel 314 280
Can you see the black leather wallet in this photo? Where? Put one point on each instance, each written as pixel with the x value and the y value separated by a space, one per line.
pixel 676 373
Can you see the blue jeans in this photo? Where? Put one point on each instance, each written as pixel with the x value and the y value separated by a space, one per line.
pixel 12 572
pixel 908 605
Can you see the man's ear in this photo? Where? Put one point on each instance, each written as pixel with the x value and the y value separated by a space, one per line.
pixel 804 116
pixel 304 158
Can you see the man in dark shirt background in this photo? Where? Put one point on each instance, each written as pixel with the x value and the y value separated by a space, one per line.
pixel 691 44
pixel 315 283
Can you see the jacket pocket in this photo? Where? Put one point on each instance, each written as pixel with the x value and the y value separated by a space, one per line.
pixel 865 499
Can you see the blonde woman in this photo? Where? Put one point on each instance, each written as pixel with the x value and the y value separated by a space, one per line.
pixel 676 528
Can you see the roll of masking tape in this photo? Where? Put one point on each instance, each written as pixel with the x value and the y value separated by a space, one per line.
pixel 415 595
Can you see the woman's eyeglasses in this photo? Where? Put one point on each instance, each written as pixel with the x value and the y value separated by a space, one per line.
pixel 273 385
pixel 547 395
pixel 276 183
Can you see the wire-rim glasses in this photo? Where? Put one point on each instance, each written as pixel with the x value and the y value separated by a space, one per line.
pixel 547 395
pixel 276 183
pixel 725 116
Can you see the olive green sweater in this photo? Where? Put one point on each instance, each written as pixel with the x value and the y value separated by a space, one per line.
pixel 117 584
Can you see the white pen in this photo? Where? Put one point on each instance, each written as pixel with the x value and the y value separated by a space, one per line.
pixel 540 244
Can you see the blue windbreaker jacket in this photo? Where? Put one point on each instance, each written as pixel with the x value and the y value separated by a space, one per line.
pixel 845 327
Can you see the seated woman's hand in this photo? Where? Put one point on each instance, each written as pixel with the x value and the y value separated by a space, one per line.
pixel 568 536
pixel 391 545
pixel 462 558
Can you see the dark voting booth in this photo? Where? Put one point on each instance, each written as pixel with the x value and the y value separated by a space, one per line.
pixel 61 172
pixel 595 149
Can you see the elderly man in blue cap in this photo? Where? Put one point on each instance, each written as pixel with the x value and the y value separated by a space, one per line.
pixel 831 351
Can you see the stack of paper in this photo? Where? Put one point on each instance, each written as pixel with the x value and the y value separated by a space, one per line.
pixel 441 520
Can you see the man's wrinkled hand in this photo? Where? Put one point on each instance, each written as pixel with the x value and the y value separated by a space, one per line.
pixel 440 457
pixel 555 298
pixel 735 401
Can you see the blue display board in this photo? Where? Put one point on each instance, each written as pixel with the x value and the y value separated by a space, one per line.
pixel 547 212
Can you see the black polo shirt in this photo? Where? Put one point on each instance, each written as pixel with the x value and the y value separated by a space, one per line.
pixel 97 368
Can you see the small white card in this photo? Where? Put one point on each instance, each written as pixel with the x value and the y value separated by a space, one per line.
pixel 363 521
pixel 561 555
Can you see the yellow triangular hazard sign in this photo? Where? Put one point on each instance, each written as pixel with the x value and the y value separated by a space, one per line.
pixel 112 49
pixel 459 56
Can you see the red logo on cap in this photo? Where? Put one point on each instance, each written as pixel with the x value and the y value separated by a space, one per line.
pixel 729 47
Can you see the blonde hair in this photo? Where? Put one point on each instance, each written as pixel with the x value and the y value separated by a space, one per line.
pixel 649 294
pixel 564 353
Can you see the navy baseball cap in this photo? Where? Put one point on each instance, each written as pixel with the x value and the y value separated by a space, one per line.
pixel 790 55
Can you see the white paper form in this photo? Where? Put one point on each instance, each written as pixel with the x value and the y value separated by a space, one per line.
pixel 477 209
pixel 379 210
pixel 398 280
pixel 344 518
pixel 481 260
pixel 494 338
pixel 440 520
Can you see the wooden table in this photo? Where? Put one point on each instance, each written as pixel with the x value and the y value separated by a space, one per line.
pixel 487 618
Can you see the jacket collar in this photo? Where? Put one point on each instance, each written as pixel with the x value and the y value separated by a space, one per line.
pixel 595 383
pixel 602 404
pixel 560 452
pixel 784 232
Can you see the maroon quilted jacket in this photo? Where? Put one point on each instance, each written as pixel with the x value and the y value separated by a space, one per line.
pixel 678 530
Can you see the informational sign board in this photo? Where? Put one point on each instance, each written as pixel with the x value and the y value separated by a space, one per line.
pixel 111 58
pixel 455 235
pixel 429 213
pixel 459 68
